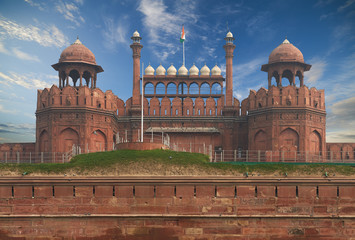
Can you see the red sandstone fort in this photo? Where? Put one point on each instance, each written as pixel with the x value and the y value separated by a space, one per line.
pixel 188 109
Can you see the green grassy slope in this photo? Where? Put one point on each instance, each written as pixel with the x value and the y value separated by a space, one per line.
pixel 166 162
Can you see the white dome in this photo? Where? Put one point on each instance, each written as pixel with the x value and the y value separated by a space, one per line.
pixel 229 35
pixel 194 70
pixel 216 70
pixel 160 70
pixel 149 70
pixel 136 34
pixel 205 71
pixel 172 70
pixel 183 70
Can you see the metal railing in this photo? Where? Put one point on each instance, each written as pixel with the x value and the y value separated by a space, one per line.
pixel 282 156
pixel 35 157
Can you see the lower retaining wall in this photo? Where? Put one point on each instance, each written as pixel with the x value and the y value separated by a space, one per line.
pixel 177 208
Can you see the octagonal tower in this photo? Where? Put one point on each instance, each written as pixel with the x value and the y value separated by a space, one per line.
pixel 287 119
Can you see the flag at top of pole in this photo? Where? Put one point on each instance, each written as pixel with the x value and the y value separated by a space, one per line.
pixel 182 38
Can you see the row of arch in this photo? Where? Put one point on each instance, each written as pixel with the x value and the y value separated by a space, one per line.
pixel 289 141
pixel 278 77
pixel 183 88
pixel 77 78
pixel 69 137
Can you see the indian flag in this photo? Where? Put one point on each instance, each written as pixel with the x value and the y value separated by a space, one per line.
pixel 182 38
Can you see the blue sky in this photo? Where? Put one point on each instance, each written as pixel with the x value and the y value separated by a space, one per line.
pixel 34 33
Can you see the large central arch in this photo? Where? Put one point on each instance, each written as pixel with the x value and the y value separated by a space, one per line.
pixel 67 138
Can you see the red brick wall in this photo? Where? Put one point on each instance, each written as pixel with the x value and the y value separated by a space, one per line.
pixel 166 208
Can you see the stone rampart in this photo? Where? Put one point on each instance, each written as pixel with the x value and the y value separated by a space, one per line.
pixel 177 208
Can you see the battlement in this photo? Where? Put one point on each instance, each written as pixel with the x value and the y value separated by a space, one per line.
pixel 289 96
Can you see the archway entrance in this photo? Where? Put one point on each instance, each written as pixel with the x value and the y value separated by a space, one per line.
pixel 68 137
pixel 97 141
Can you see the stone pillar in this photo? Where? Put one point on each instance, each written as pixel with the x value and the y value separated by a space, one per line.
pixel 136 48
pixel 81 79
pixel 229 48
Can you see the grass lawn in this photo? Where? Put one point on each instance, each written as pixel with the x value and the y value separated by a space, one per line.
pixel 166 162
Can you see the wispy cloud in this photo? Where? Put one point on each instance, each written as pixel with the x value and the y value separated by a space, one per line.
pixel 316 72
pixel 347 4
pixel 341 121
pixel 40 5
pixel 29 81
pixel 24 56
pixel 47 36
pixel 243 70
pixel 7 111
pixel 10 132
pixel 115 32
pixel 70 11
pixel 164 23
pixel 18 53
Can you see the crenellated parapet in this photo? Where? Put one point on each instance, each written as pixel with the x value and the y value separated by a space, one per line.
pixel 78 97
pixel 290 97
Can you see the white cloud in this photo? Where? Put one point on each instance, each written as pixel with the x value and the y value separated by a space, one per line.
pixel 3 49
pixel 346 5
pixel 7 111
pixel 18 53
pixel 29 81
pixel 24 56
pixel 316 72
pixel 70 11
pixel 115 33
pixel 341 121
pixel 243 70
pixel 164 23
pixel 40 5
pixel 48 36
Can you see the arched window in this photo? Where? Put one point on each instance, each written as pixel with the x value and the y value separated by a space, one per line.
pixel 160 88
pixel 287 74
pixel 216 88
pixel 171 88
pixel 74 75
pixel 149 88
pixel 193 88
pixel 205 88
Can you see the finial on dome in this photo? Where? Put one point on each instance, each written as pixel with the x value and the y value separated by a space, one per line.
pixel 77 41
pixel 285 41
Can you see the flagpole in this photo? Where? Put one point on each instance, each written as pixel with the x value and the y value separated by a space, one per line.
pixel 183 53
pixel 142 102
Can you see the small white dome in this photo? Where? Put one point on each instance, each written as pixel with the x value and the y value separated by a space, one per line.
pixel 216 70
pixel 205 71
pixel 149 70
pixel 183 70
pixel 172 70
pixel 194 70
pixel 136 34
pixel 229 35
pixel 160 70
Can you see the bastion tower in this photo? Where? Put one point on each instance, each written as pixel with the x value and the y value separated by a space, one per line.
pixel 75 113
pixel 288 116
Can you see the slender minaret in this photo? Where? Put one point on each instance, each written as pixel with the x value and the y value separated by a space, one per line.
pixel 136 48
pixel 229 48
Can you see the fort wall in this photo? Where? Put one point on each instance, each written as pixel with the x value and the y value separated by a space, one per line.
pixel 177 208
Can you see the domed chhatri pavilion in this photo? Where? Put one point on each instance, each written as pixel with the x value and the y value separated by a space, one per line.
pixel 187 106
